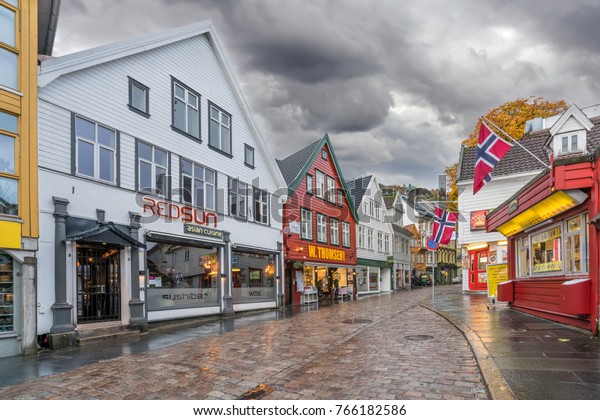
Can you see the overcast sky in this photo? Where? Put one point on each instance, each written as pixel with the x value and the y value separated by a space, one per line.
pixel 396 84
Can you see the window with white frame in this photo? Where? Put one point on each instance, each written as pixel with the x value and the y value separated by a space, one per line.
pixel 219 129
pixel 345 234
pixel 139 98
pixel 96 150
pixel 320 184
pixel 331 191
pixel 321 228
pixel 261 206
pixel 309 184
pixel 377 211
pixel 238 196
pixel 306 222
pixel 369 238
pixel 153 170
pixel 386 243
pixel 379 241
pixel 361 237
pixel 340 198
pixel 186 110
pixel 198 185
pixel 570 142
pixel 334 231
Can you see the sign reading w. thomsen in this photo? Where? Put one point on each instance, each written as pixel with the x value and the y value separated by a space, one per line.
pixel 326 253
pixel 203 231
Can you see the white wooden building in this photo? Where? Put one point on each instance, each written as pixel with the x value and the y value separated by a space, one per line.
pixel 159 197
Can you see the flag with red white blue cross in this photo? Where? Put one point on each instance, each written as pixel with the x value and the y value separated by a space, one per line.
pixel 490 149
pixel 444 222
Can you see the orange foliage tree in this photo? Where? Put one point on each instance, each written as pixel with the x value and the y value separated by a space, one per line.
pixel 512 116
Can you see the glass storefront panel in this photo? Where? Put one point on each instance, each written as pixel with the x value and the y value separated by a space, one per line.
pixel 181 276
pixel 253 277
pixel 546 250
pixel 7 296
pixel 523 261
pixel 367 279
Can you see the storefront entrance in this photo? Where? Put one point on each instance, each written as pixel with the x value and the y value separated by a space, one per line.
pixel 98 284
pixel 478 261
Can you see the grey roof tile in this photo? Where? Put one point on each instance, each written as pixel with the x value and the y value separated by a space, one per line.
pixel 292 165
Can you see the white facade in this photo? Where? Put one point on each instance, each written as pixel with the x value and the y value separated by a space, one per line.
pixel 94 86
pixel 495 192
pixel 374 242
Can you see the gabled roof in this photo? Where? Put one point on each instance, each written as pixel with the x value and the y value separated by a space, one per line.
pixel 574 112
pixel 358 188
pixel 295 167
pixel 55 67
pixel 514 162
pixel 389 201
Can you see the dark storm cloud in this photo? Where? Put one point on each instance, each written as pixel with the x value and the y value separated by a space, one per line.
pixel 397 85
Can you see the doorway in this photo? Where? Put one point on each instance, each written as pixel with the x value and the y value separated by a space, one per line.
pixel 478 261
pixel 98 284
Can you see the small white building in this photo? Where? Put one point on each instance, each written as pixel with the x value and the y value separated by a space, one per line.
pixel 374 234
pixel 401 238
pixel 515 169
pixel 159 198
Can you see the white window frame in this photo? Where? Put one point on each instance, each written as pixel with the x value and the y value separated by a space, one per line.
pixel 206 185
pixel 261 206
pixel 306 222
pixel 370 239
pixel 379 241
pixel 188 106
pixel 220 143
pixel 334 231
pixel 97 148
pixel 153 166
pixel 321 228
pixel 346 234
pixel 331 191
pixel 319 183
pixel 361 237
pixel 580 139
pixel 309 184
pixel 238 194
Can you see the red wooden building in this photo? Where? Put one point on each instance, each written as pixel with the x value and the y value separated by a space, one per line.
pixel 552 225
pixel 319 225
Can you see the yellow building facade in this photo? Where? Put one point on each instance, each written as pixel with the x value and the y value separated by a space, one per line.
pixel 19 228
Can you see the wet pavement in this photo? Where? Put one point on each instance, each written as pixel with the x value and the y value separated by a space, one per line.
pixel 386 347
pixel 393 346
pixel 538 359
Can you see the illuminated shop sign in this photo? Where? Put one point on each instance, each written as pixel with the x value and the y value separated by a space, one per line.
pixel 555 204
pixel 186 214
pixel 203 231
pixel 325 253
pixel 478 219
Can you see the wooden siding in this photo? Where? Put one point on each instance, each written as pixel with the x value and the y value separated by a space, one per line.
pixel 535 193
pixel 296 248
pixel 373 192
pixel 575 176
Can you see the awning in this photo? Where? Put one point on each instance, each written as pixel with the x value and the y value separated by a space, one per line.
pixel 553 205
pixel 105 233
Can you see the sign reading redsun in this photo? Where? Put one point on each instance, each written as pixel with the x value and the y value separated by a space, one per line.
pixel 174 211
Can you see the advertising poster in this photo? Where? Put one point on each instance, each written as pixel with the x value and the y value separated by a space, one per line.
pixel 496 273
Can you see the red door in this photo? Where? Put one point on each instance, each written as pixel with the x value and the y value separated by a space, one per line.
pixel 478 261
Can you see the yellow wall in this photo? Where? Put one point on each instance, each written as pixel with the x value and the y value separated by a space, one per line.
pixel 25 107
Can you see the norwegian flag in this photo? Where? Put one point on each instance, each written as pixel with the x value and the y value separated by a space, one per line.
pixel 443 225
pixel 490 149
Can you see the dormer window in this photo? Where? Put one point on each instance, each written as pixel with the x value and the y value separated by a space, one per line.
pixel 566 143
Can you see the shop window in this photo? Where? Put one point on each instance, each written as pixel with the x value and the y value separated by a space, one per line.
pixel 7 310
pixel 181 276
pixel 334 231
pixel 253 277
pixel 574 249
pixel 219 129
pixel 321 228
pixel 238 198
pixel 198 184
pixel 523 258
pixel 139 98
pixel 546 251
pixel 261 206
pixel 153 169
pixel 306 224
pixel 345 234
pixel 96 150
pixel 186 110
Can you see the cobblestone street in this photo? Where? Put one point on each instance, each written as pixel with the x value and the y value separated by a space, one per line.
pixel 383 347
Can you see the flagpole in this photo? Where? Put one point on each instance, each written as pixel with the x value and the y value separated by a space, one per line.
pixel 433 277
pixel 515 142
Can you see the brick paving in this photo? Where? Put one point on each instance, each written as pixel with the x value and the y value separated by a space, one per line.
pixel 384 347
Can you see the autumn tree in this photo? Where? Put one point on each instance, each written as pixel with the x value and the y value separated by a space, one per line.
pixel 452 193
pixel 511 117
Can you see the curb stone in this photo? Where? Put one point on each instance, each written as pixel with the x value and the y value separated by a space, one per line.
pixel 498 389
